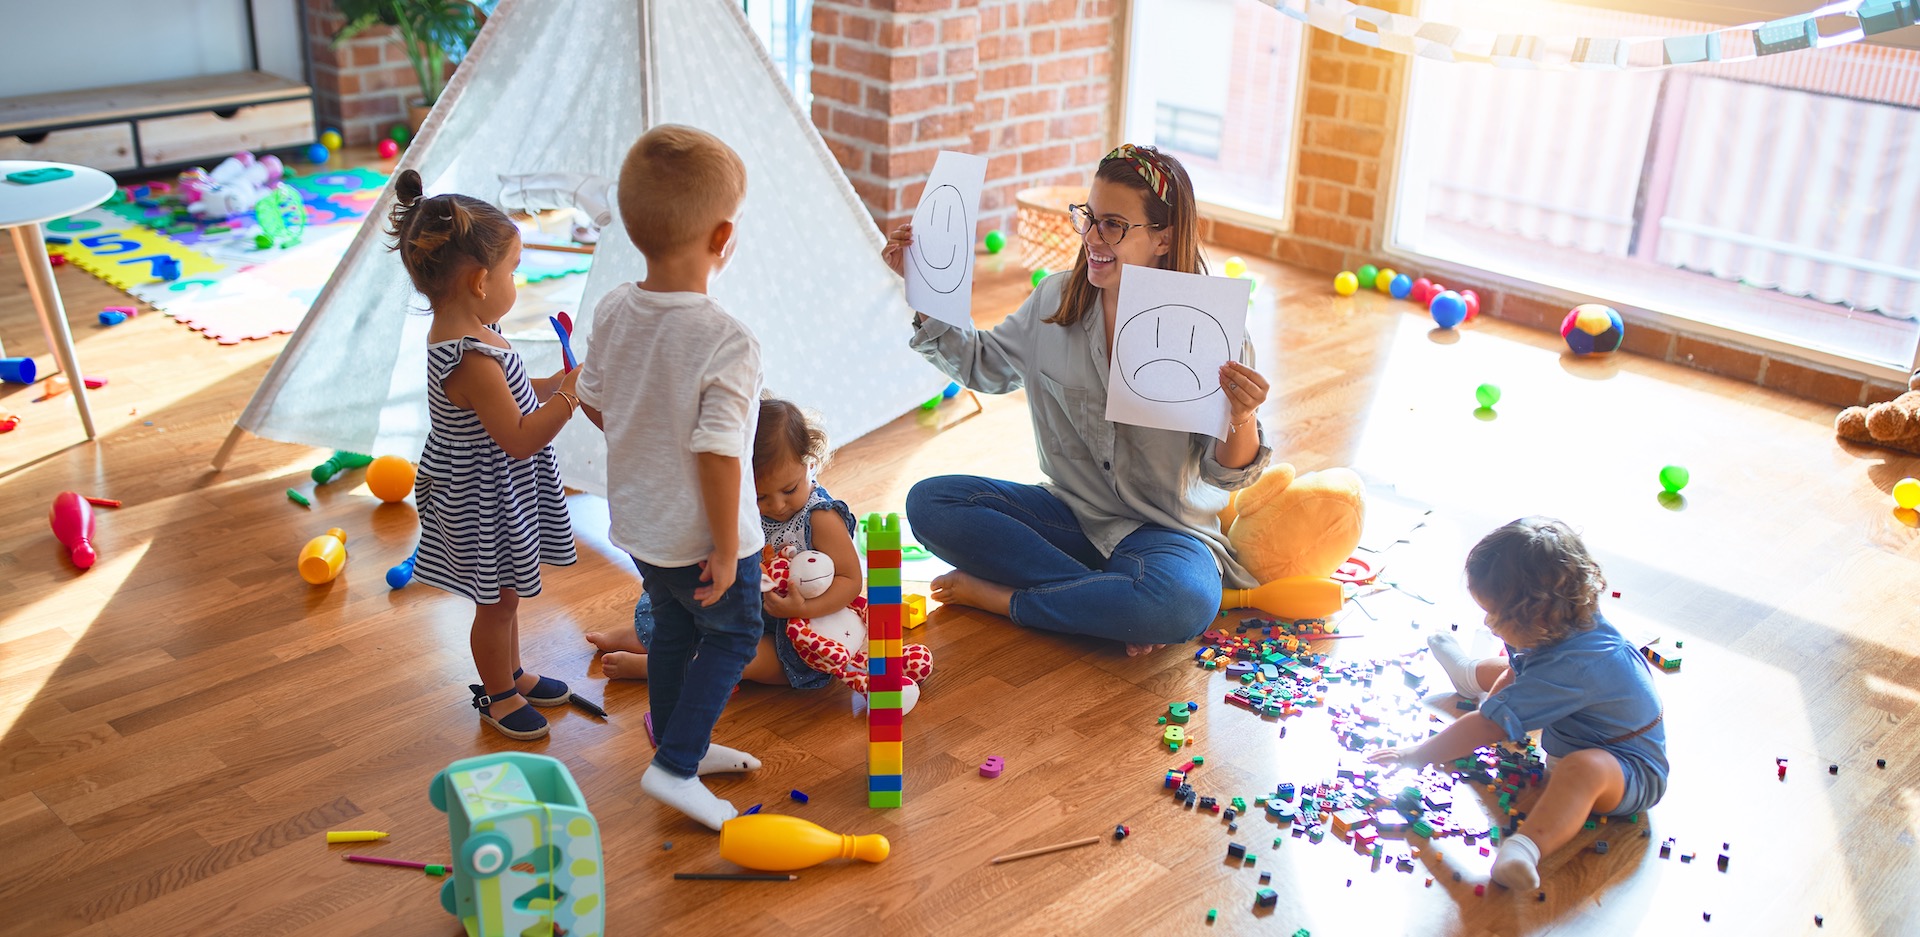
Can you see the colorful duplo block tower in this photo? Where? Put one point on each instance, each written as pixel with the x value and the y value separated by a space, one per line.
pixel 886 666
pixel 527 859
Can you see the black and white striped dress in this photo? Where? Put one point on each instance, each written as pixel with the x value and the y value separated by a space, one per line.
pixel 487 520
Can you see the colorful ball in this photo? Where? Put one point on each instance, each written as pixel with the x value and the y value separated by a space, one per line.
pixel 1383 281
pixel 1472 299
pixel 1674 477
pixel 1487 394
pixel 318 154
pixel 1906 493
pixel 390 478
pixel 995 242
pixel 1234 267
pixel 389 149
pixel 1367 273
pixel 400 134
pixel 1399 286
pixel 1593 329
pixel 1039 273
pixel 1448 309
pixel 1422 290
pixel 1345 283
pixel 330 139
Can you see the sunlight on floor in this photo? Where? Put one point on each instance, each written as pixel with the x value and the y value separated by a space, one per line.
pixel 60 620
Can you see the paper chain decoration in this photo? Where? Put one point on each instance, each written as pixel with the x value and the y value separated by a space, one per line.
pixel 1411 35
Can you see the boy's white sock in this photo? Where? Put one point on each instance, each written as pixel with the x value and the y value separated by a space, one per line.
pixel 1517 864
pixel 1458 664
pixel 720 759
pixel 688 796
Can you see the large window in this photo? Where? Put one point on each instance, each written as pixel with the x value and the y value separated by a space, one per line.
pixel 786 28
pixel 1214 81
pixel 1779 197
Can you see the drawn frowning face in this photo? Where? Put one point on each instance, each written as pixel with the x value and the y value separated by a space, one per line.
pixel 942 248
pixel 1171 353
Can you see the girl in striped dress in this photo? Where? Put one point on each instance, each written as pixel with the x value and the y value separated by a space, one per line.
pixel 488 489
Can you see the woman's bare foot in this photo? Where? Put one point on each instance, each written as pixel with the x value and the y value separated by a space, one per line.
pixel 624 665
pixel 961 588
pixel 621 639
pixel 1135 650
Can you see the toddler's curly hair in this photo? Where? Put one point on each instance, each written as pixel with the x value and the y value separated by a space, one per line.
pixel 1536 579
pixel 785 433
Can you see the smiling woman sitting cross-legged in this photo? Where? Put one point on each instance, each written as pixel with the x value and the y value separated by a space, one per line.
pixel 1124 542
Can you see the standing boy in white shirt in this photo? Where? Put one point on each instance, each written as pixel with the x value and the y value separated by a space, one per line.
pixel 674 382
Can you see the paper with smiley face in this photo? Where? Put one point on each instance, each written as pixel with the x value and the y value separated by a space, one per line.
pixel 1172 332
pixel 940 259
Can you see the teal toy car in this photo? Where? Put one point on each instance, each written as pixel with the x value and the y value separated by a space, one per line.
pixel 527 859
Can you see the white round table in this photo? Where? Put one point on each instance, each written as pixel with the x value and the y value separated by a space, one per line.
pixel 23 209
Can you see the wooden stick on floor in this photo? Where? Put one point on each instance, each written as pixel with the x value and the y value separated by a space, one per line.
pixel 1056 847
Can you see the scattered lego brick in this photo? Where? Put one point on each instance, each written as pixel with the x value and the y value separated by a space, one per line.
pixel 798 796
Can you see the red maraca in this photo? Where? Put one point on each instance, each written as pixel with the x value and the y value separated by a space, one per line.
pixel 72 521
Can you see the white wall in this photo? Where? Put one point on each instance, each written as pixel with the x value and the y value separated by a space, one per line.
pixel 64 45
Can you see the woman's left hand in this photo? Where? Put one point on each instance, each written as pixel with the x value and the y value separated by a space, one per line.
pixel 1246 390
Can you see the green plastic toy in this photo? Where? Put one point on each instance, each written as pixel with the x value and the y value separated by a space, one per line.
pixel 995 242
pixel 1674 477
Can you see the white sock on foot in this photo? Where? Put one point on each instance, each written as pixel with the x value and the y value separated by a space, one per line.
pixel 1458 664
pixel 688 796
pixel 1517 864
pixel 721 759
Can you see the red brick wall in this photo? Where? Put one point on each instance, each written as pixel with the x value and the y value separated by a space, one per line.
pixel 1023 82
pixel 362 87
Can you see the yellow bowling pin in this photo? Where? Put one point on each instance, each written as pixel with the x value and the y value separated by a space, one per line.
pixel 322 557
pixel 773 842
pixel 1290 597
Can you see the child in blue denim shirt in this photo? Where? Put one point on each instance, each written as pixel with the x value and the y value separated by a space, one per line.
pixel 1569 673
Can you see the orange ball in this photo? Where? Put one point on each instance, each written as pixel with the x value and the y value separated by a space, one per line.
pixel 390 478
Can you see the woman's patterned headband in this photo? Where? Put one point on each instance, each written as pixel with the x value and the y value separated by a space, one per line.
pixel 1147 165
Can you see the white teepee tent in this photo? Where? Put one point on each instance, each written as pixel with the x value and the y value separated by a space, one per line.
pixel 567 86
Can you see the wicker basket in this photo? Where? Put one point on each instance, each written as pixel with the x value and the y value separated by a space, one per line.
pixel 1047 238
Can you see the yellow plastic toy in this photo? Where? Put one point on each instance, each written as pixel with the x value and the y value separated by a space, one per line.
pixel 1283 526
pixel 1294 597
pixel 322 557
pixel 773 842
pixel 527 859
pixel 390 478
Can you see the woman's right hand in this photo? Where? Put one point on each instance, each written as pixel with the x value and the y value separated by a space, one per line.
pixel 895 253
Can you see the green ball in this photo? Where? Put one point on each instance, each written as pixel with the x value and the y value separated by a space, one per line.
pixel 1367 274
pixel 1674 477
pixel 262 241
pixel 400 134
pixel 1039 273
pixel 1487 394
pixel 995 242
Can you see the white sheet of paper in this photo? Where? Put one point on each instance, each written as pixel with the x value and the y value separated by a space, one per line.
pixel 1172 333
pixel 940 259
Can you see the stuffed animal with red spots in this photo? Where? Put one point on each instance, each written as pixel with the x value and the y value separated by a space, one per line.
pixel 836 643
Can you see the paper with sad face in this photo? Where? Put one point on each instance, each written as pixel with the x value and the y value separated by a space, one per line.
pixel 940 259
pixel 1171 334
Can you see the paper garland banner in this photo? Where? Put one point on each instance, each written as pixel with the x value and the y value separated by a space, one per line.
pixel 1410 35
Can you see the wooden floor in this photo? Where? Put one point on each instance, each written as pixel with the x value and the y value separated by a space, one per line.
pixel 180 724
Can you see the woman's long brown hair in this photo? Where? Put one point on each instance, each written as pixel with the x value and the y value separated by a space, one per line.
pixel 1176 215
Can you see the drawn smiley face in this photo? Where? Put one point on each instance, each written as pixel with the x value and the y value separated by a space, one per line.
pixel 1172 353
pixel 942 248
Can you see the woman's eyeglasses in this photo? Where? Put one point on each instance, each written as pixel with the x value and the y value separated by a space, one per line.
pixel 1112 230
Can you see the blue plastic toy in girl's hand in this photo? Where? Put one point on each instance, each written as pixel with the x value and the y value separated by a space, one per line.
pixel 563 326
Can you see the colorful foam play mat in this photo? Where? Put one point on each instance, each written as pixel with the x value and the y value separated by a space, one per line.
pixel 252 276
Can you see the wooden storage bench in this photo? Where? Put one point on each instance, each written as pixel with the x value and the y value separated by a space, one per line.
pixel 160 124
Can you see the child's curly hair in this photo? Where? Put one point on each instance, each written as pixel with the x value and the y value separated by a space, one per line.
pixel 440 237
pixel 1536 579
pixel 784 434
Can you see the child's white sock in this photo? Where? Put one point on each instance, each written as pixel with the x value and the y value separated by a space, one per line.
pixel 1517 864
pixel 688 796
pixel 1458 664
pixel 721 759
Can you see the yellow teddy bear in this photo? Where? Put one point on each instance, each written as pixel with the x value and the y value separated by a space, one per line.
pixel 1285 526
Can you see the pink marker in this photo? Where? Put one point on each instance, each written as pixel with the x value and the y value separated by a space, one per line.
pixel 401 863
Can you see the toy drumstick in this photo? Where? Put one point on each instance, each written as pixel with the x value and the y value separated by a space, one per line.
pixel 564 329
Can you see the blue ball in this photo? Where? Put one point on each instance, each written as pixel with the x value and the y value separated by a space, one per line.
pixel 1400 287
pixel 952 391
pixel 1448 309
pixel 318 154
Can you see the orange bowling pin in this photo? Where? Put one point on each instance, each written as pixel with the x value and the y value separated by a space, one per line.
pixel 72 522
pixel 1290 597
pixel 322 557
pixel 772 842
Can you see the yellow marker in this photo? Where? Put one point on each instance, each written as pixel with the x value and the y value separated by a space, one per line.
pixel 354 836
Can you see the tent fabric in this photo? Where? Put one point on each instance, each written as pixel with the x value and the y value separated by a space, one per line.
pixel 565 86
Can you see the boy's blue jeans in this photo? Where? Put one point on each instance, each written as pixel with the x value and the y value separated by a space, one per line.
pixel 1160 586
pixel 696 656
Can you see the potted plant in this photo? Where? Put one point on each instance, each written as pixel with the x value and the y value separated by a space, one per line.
pixel 435 33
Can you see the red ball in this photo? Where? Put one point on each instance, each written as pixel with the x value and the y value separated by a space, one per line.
pixel 1472 299
pixel 389 149
pixel 1422 291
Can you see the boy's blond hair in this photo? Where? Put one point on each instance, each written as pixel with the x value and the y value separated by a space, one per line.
pixel 676 184
pixel 1536 579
